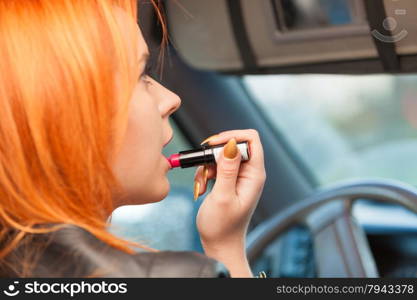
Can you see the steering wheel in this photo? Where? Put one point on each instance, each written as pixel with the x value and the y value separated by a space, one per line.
pixel 340 246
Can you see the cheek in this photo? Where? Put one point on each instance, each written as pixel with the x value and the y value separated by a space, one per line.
pixel 141 168
pixel 160 189
pixel 146 182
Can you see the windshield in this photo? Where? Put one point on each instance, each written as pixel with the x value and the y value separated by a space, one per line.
pixel 345 127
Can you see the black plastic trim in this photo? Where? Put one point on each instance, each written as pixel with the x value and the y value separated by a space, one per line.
pixel 241 36
pixel 375 11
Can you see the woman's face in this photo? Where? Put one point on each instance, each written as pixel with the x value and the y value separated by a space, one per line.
pixel 140 166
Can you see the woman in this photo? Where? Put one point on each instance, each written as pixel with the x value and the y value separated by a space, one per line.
pixel 81 133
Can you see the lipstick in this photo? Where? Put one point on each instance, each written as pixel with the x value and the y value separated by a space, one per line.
pixel 204 155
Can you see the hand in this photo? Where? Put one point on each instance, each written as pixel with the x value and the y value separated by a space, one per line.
pixel 225 213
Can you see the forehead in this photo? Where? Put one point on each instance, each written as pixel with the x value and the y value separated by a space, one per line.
pixel 131 29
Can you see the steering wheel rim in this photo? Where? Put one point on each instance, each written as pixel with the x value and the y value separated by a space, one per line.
pixel 337 202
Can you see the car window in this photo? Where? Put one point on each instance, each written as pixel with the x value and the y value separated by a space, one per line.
pixel 345 127
pixel 169 224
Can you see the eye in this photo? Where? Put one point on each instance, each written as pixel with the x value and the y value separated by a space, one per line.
pixel 147 73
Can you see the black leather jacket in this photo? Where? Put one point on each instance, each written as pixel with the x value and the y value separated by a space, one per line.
pixel 74 252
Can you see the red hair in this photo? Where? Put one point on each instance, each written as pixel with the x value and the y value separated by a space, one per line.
pixel 58 114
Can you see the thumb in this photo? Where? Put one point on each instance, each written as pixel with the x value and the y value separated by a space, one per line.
pixel 228 164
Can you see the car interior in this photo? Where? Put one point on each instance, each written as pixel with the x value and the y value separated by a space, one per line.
pixel 331 87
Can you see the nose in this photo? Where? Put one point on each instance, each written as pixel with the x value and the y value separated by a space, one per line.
pixel 169 102
pixel 174 102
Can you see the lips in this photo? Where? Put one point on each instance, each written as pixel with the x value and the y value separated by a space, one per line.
pixel 168 161
pixel 169 140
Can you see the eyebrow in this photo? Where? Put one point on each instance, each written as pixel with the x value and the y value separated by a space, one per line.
pixel 144 58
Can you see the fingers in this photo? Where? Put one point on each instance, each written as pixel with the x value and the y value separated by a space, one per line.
pixel 202 175
pixel 228 169
pixel 250 135
pixel 228 164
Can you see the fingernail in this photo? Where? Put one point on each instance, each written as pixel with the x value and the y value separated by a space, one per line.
pixel 205 174
pixel 196 189
pixel 230 150
pixel 209 138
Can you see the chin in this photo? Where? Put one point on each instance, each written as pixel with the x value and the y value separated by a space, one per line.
pixel 158 193
pixel 152 194
pixel 163 190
